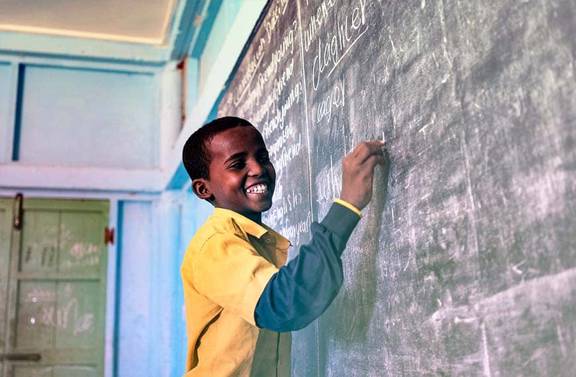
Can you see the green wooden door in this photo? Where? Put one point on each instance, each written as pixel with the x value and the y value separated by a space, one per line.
pixel 56 290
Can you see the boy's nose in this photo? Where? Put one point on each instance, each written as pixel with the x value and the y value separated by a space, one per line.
pixel 255 168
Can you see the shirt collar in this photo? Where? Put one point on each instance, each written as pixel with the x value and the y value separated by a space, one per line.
pixel 252 227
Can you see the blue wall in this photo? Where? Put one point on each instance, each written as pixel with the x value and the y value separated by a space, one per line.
pixel 151 333
pixel 89 117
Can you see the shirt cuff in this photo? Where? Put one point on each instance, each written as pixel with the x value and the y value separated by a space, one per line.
pixel 341 221
pixel 349 206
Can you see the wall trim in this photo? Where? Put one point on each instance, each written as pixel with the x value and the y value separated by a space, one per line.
pixel 17 176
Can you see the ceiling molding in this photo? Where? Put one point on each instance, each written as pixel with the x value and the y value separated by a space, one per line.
pixel 42 45
pixel 80 34
pixel 23 40
pixel 18 176
pixel 133 21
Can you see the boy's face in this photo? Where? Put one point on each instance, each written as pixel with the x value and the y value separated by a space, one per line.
pixel 242 178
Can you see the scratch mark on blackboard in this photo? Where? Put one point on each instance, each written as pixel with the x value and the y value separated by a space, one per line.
pixel 466 320
pixel 412 240
pixel 516 268
pixel 432 121
pixel 470 194
pixel 436 64
pixel 486 355
pixel 444 39
pixel 394 51
pixel 561 340
pixel 393 120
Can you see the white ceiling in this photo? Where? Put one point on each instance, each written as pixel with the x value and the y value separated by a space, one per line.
pixel 137 21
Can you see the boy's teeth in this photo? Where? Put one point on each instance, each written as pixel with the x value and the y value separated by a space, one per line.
pixel 257 189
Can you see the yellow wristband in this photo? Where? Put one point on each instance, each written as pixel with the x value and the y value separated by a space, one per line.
pixel 349 206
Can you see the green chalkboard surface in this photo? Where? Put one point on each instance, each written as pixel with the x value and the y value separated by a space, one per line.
pixel 464 263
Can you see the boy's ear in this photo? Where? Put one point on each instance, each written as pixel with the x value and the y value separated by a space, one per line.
pixel 201 188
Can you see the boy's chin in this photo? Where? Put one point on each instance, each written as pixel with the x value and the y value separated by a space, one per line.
pixel 265 206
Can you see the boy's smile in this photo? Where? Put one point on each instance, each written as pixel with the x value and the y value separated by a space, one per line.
pixel 241 176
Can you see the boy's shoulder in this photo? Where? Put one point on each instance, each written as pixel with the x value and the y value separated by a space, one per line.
pixel 217 225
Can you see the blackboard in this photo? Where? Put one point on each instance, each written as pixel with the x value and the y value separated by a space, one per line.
pixel 464 263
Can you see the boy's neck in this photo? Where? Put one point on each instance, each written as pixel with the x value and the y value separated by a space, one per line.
pixel 256 217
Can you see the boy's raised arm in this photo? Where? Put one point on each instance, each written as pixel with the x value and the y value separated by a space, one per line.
pixel 303 289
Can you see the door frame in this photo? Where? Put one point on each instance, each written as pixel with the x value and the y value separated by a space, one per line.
pixel 6 205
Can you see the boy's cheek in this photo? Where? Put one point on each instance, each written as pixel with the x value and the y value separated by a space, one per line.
pixel 272 174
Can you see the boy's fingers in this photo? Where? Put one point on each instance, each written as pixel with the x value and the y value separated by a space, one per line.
pixel 367 149
pixel 374 160
pixel 364 146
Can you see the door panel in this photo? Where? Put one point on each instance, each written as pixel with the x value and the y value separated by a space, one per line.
pixel 26 371
pixel 56 371
pixel 57 290
pixel 36 305
pixel 81 243
pixel 74 371
pixel 76 314
pixel 39 241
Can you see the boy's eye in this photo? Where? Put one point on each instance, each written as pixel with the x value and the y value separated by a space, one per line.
pixel 264 158
pixel 237 165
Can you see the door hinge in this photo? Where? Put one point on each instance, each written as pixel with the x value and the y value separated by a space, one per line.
pixel 109 236
pixel 17 211
pixel 20 357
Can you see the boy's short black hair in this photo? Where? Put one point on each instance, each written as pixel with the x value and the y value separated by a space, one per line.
pixel 196 154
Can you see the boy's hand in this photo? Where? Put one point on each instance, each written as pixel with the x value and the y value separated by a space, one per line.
pixel 358 172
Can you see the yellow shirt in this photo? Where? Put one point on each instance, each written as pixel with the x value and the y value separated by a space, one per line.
pixel 225 269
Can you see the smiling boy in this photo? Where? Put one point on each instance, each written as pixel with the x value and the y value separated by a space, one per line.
pixel 241 299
